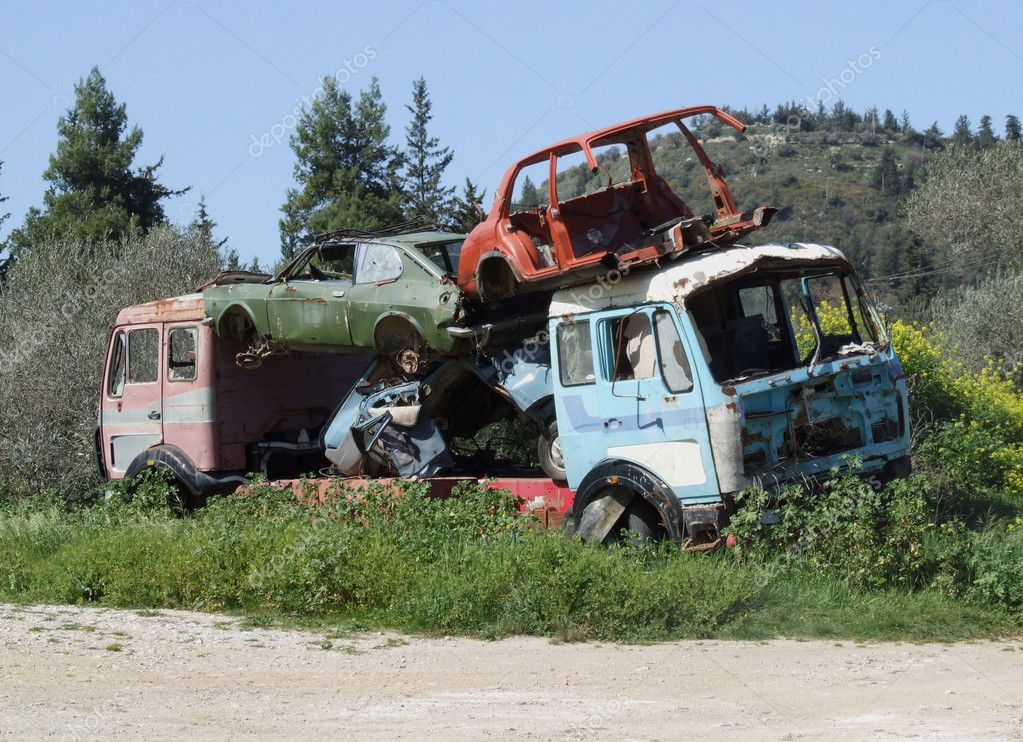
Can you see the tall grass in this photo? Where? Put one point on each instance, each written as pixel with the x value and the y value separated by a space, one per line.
pixel 463 566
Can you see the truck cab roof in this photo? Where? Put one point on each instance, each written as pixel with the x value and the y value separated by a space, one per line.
pixel 185 308
pixel 678 279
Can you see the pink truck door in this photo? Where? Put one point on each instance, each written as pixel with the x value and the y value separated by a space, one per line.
pixel 132 410
pixel 189 402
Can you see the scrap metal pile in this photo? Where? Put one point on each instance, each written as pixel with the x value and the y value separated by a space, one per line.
pixel 456 322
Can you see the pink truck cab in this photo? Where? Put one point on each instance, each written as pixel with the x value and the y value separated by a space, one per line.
pixel 172 396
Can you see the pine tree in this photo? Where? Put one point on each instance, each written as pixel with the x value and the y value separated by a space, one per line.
pixel 934 137
pixel 203 225
pixel 529 194
pixel 871 120
pixel 963 132
pixel 425 163
pixel 202 228
pixel 843 118
pixel 986 134
pixel 1012 128
pixel 346 172
pixel 886 175
pixel 891 124
pixel 905 122
pixel 94 192
pixel 917 267
pixel 5 260
pixel 467 211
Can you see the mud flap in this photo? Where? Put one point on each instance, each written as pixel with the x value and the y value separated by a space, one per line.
pixel 600 515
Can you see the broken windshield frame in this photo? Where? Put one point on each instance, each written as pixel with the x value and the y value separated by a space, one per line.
pixel 444 255
pixel 771 322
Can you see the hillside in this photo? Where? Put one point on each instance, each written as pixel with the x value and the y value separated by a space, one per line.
pixel 843 188
pixel 828 187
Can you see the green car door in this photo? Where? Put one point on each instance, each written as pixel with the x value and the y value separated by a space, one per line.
pixel 395 295
pixel 308 309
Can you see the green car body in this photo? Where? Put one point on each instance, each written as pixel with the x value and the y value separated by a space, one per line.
pixel 349 294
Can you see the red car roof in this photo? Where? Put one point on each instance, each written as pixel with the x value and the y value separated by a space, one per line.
pixel 643 123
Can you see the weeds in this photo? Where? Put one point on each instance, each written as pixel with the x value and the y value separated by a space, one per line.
pixel 937 556
pixel 470 565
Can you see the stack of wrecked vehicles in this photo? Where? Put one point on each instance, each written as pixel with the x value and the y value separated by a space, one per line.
pixel 663 365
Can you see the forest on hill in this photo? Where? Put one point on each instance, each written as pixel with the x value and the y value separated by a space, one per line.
pixel 855 181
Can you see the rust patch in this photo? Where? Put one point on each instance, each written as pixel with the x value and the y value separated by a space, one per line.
pixel 748 437
pixel 729 390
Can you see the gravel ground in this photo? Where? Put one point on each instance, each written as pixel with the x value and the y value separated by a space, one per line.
pixel 81 673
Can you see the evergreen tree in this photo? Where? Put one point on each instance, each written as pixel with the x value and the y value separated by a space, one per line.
pixel 986 135
pixel 843 118
pixel 94 191
pixel 346 172
pixel 909 177
pixel 962 133
pixel 905 123
pixel 425 162
pixel 1012 128
pixel 886 175
pixel 467 211
pixel 202 228
pixel 917 269
pixel 529 194
pixel 891 124
pixel 871 120
pixel 203 225
pixel 821 117
pixel 5 260
pixel 934 137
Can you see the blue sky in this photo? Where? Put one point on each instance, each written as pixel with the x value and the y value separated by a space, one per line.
pixel 213 84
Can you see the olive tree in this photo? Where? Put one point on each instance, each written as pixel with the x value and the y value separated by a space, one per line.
pixel 970 208
pixel 56 309
pixel 983 324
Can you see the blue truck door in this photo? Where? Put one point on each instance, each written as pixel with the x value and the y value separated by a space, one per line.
pixel 641 403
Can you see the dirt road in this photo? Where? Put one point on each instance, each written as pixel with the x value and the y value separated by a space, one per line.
pixel 81 673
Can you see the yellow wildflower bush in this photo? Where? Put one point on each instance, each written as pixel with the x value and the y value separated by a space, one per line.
pixel 981 437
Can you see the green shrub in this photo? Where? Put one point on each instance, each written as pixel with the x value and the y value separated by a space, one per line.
pixel 983 567
pixel 867 536
pixel 862 565
pixel 976 417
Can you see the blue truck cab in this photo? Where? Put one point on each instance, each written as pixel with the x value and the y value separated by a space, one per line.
pixel 676 388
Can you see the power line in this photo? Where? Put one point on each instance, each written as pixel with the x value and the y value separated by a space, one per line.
pixel 950 267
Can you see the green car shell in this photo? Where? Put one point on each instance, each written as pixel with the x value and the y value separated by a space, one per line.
pixel 393 294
